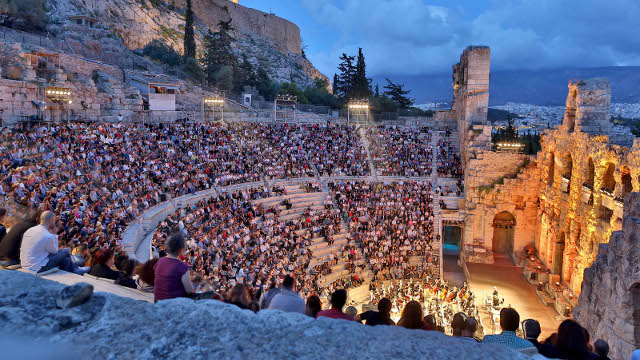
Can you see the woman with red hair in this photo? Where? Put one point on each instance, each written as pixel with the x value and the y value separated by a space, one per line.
pixel 103 260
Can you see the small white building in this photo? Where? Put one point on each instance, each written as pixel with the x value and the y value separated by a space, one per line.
pixel 157 95
pixel 83 20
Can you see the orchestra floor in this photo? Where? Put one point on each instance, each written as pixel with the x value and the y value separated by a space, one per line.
pixel 517 293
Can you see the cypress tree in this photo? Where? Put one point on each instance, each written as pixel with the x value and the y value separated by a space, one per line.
pixel 361 85
pixel 189 34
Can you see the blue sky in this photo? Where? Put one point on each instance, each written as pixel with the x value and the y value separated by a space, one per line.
pixel 413 37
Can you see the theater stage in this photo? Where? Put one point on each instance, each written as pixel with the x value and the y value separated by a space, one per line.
pixel 517 293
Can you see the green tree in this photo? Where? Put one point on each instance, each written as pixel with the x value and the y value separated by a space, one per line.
pixel 334 88
pixel 361 85
pixel 192 67
pixel 245 75
pixel 377 94
pixel 345 85
pixel 189 34
pixel 266 88
pixel 218 53
pixel 398 94
pixel 158 51
pixel 223 78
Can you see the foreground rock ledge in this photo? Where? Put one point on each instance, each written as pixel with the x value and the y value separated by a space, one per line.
pixel 111 327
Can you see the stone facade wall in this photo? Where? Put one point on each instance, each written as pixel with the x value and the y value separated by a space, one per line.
pixel 588 106
pixel 471 85
pixel 609 305
pixel 578 205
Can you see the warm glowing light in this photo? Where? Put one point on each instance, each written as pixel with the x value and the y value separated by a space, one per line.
pixel 70 101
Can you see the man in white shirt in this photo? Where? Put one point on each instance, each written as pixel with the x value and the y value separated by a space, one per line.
pixel 39 250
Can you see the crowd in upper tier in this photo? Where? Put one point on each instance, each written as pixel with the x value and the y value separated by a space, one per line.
pixel 401 151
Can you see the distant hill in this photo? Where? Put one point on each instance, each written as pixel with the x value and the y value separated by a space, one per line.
pixel 540 87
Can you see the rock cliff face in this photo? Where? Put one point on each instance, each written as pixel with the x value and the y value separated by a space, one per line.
pixel 609 305
pixel 110 327
pixel 270 39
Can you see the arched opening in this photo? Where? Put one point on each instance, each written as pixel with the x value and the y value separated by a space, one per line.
pixel 627 186
pixel 504 225
pixel 590 176
pixel 635 303
pixel 558 255
pixel 609 181
pixel 567 171
pixel 568 167
pixel 551 169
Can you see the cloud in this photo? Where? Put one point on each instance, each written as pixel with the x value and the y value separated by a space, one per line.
pixel 416 37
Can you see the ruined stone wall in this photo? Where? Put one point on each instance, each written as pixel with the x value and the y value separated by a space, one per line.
pixel 588 106
pixel 609 305
pixel 582 183
pixel 471 85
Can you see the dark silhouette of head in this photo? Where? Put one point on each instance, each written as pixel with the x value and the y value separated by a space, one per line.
pixel 412 316
pixel 602 348
pixel 289 282
pixel 571 339
pixel 509 319
pixel 531 328
pixel 339 299
pixel 457 324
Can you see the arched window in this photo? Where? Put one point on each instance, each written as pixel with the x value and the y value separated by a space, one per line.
pixel 590 176
pixel 568 167
pixel 552 167
pixel 627 187
pixel 608 181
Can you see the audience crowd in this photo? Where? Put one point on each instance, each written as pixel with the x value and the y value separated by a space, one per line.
pixel 400 151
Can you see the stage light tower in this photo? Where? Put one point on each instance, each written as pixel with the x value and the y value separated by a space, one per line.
pixel 359 109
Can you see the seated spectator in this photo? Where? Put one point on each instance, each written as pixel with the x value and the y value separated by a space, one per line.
pixel 430 322
pixel 509 321
pixel 103 267
pixel 338 300
pixel 470 328
pixel 119 260
pixel 380 317
pixel 458 324
pixel 602 349
pixel 266 297
pixel 172 278
pixel 40 251
pixel 570 343
pixel 288 300
pixel 314 306
pixel 125 279
pixel 79 255
pixel 531 330
pixel 412 317
pixel 146 276
pixel 12 241
pixel 351 311
pixel 239 296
